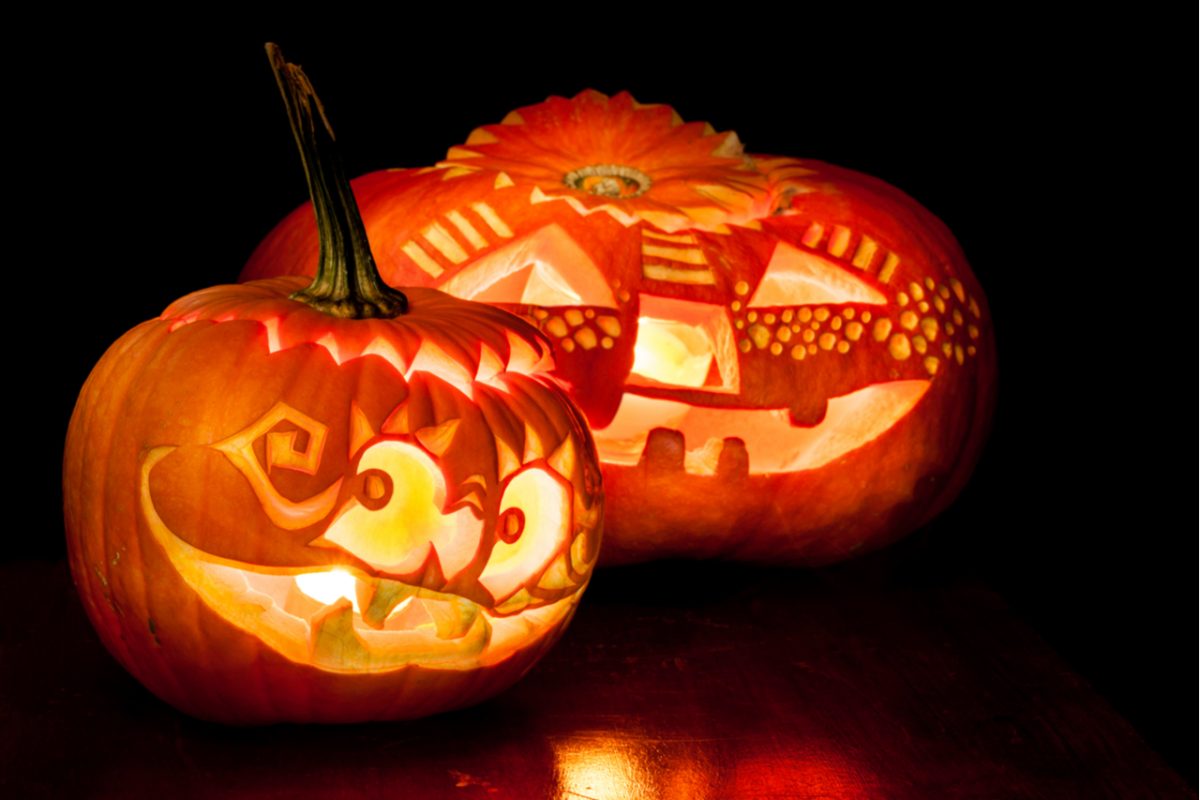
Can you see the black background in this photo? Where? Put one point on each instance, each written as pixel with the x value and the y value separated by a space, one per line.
pixel 1048 146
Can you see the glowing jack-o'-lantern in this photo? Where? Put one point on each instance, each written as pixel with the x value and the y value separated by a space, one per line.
pixel 276 513
pixel 780 359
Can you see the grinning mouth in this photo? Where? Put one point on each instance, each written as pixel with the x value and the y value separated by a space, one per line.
pixel 342 619
pixel 771 441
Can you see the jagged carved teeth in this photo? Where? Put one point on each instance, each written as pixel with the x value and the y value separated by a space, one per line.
pixel 381 604
pixel 312 616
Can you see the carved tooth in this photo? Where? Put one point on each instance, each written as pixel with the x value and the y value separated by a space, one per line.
pixel 558 575
pixel 397 421
pixel 506 459
pixel 734 461
pixel 490 364
pixel 581 559
pixel 664 451
pixel 334 642
pixel 535 448
pixel 452 616
pixel 438 438
pixel 519 601
pixel 378 598
pixel 563 459
pixel 361 429
pixel 809 414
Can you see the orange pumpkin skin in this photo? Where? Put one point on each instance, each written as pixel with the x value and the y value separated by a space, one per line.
pixel 242 436
pixel 852 372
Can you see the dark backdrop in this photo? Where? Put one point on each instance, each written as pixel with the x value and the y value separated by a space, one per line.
pixel 1047 146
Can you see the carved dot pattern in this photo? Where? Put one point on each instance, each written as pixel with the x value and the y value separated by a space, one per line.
pixel 932 324
pixel 936 332
pixel 577 328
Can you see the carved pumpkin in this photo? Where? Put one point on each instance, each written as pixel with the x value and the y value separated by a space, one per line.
pixel 780 359
pixel 275 513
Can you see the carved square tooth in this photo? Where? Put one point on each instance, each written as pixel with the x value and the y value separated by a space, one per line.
pixel 734 461
pixel 664 451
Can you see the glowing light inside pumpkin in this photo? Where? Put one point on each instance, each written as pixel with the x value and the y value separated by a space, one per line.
pixel 329 587
pixel 672 352
pixel 678 342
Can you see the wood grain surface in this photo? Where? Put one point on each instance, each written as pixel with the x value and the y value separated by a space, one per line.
pixel 675 681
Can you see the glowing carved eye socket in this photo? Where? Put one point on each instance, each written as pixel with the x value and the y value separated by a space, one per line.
pixel 682 343
pixel 397 517
pixel 329 587
pixel 534 526
pixel 545 268
pixel 796 277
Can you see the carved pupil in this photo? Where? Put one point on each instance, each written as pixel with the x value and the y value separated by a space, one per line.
pixel 374 488
pixel 512 525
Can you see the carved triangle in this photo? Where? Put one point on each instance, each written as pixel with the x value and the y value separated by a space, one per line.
pixel 361 429
pixel 563 459
pixel 506 459
pixel 437 439
pixel 535 448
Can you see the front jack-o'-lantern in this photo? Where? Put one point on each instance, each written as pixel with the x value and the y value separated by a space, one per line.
pixel 780 359
pixel 344 504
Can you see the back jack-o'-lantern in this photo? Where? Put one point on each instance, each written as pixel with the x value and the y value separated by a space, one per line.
pixel 780 359
pixel 290 503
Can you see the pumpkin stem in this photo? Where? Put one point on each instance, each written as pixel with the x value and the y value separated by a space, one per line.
pixel 348 283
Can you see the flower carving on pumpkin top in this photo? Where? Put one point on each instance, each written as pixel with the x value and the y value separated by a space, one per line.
pixel 633 161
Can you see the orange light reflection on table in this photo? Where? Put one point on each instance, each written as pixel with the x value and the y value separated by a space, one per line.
pixel 597 766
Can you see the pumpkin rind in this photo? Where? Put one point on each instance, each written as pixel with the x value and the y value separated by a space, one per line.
pixel 152 426
pixel 838 300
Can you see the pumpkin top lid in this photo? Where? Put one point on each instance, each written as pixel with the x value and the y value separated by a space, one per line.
pixel 457 339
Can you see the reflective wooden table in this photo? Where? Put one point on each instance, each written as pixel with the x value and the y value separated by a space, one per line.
pixel 675 681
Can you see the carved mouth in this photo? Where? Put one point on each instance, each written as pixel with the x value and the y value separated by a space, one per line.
pixel 342 619
pixel 768 436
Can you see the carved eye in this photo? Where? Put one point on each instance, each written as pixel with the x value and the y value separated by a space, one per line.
pixel 398 517
pixel 534 525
